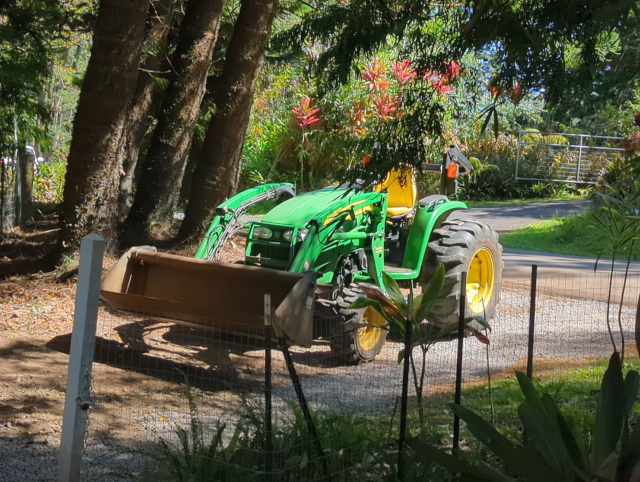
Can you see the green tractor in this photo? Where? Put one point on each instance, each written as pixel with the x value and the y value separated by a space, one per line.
pixel 349 236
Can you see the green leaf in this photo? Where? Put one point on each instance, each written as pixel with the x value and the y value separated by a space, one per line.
pixel 521 461
pixel 489 111
pixel 609 413
pixel 478 319
pixel 631 382
pixel 631 457
pixel 430 295
pixel 482 472
pixel 575 447
pixel 394 293
pixel 539 416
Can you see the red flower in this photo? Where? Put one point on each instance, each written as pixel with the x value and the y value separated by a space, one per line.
pixel 631 144
pixel 359 118
pixel 305 114
pixel 452 70
pixel 516 93
pixel 385 107
pixel 374 76
pixel 441 87
pixel 403 72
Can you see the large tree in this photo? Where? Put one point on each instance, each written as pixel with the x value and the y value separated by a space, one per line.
pixel 150 77
pixel 93 170
pixel 216 175
pixel 159 187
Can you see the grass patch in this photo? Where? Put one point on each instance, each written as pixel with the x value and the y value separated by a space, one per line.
pixel 573 235
pixel 363 447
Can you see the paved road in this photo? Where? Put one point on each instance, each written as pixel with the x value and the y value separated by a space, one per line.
pixel 506 218
pixel 559 275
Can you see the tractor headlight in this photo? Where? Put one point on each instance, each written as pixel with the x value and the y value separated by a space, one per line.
pixel 302 233
pixel 255 233
pixel 265 233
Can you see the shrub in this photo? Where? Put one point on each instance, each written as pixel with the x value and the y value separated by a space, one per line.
pixel 48 182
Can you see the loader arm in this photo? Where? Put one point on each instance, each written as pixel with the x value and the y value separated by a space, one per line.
pixel 227 219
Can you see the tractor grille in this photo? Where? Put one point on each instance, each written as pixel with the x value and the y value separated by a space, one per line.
pixel 280 253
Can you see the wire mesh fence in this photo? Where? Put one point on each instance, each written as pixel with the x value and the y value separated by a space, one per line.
pixel 171 399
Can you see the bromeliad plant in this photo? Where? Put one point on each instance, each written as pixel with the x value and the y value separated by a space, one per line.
pixel 414 311
pixel 556 447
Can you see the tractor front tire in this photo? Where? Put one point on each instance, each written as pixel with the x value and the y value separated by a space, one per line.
pixel 363 344
pixel 465 245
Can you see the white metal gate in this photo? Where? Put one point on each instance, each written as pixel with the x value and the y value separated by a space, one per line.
pixel 568 158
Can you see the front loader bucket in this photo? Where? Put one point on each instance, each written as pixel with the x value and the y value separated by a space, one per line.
pixel 207 294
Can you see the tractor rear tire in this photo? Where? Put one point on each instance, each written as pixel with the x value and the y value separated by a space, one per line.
pixel 358 345
pixel 465 245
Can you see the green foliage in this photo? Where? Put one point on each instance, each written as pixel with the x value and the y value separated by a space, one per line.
pixel 353 449
pixel 29 34
pixel 557 446
pixel 48 182
pixel 413 313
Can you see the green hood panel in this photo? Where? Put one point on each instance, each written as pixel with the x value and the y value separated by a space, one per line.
pixel 298 211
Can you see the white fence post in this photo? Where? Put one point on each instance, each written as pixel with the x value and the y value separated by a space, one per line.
pixel 81 359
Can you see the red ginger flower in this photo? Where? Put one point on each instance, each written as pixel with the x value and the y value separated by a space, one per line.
pixel 403 72
pixel 374 76
pixel 385 107
pixel 305 114
pixel 452 70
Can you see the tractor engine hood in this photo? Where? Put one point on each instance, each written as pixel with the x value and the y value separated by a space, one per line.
pixel 298 211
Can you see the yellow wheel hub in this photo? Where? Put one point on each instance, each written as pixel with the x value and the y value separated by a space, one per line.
pixel 480 279
pixel 369 336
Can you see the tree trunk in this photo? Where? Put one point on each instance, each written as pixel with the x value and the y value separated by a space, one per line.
pixel 159 188
pixel 216 175
pixel 144 101
pixel 24 185
pixel 93 168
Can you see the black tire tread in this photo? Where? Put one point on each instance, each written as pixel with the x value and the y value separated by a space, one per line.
pixel 344 346
pixel 453 245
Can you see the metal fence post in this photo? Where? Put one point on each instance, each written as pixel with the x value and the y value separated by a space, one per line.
pixel 268 466
pixel 461 326
pixel 532 319
pixel 77 401
pixel 405 389
pixel 579 159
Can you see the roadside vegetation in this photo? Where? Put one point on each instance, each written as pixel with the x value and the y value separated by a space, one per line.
pixel 572 235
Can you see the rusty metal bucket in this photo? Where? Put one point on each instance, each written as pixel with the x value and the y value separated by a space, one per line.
pixel 203 294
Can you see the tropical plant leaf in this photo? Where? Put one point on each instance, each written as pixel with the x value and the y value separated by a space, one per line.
pixel 489 112
pixel 609 413
pixel 539 416
pixel 389 307
pixel 631 383
pixel 478 319
pixel 430 295
pixel 521 461
pixel 482 472
pixel 481 337
pixel 575 446
pixel 394 293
